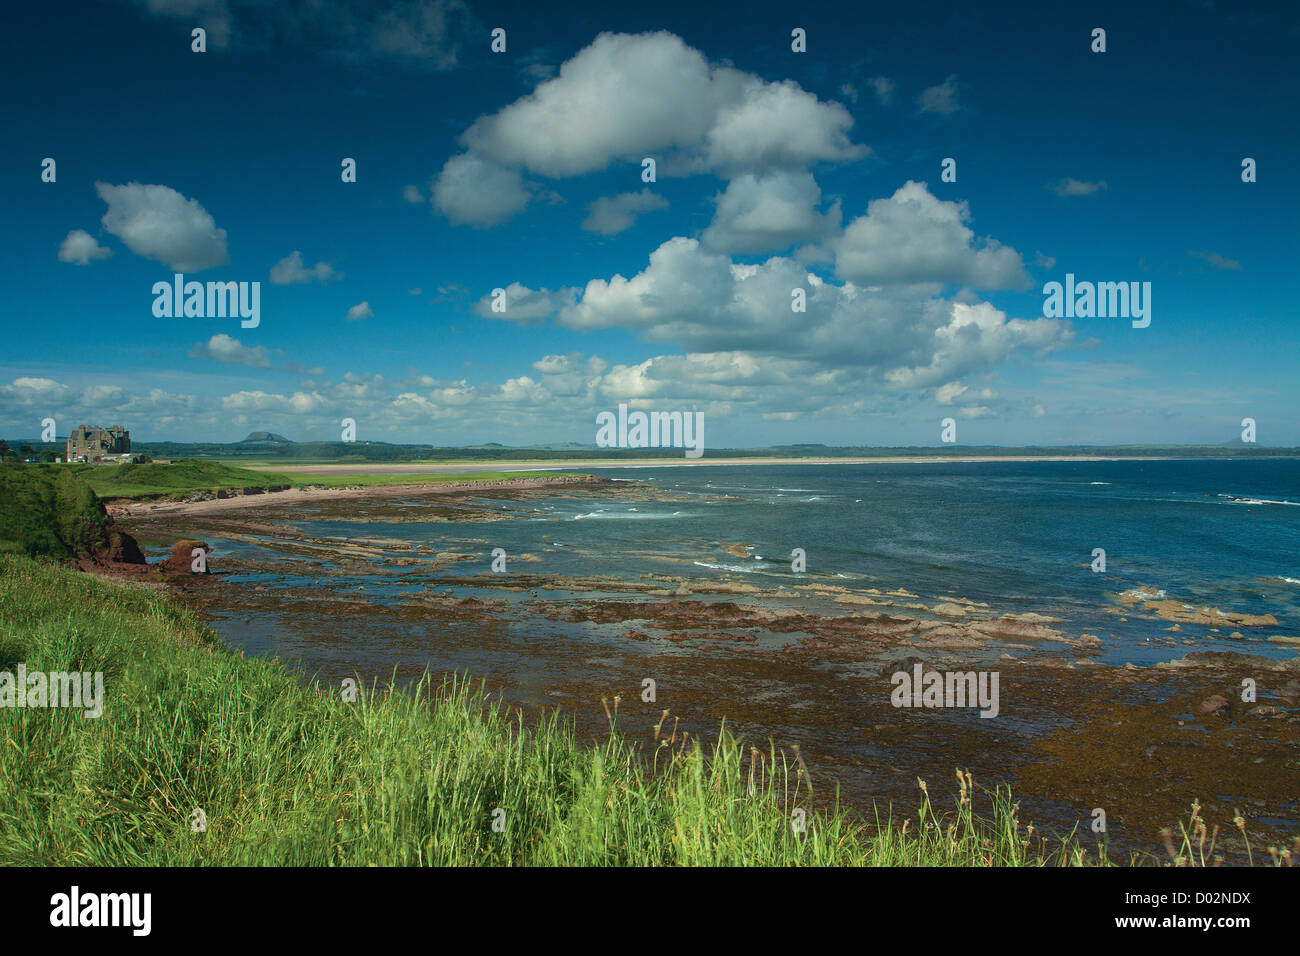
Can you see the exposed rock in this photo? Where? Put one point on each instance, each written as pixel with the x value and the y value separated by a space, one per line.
pixel 1030 617
pixel 1217 704
pixel 949 610
pixel 181 560
pixel 1266 710
pixel 1155 602
pixel 860 599
pixel 899 664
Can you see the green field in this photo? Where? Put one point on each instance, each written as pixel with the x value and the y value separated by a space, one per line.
pixel 180 478
pixel 291 774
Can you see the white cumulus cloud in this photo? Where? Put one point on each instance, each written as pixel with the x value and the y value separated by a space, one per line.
pixel 81 247
pixel 913 237
pixel 628 96
pixel 291 270
pixel 158 223
pixel 230 351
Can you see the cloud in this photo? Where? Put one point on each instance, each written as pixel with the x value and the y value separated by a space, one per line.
pixel 80 247
pixel 105 396
pixel 258 401
pixel 770 212
pixel 1043 261
pixel 451 292
pixel 1218 261
pixel 524 304
pixel 977 337
pixel 422 34
pixel 611 215
pixel 779 125
pixel 533 69
pixel 229 351
pixel 902 335
pixel 158 223
pixel 361 310
pixel 571 375
pixel 478 192
pixel 849 92
pixel 947 394
pixel 31 390
pixel 658 97
pixel 913 237
pixel 883 87
pixel 412 194
pixel 1076 187
pixel 941 99
pixel 654 92
pixel 290 270
pixel 213 15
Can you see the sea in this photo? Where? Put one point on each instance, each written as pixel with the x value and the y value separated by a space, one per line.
pixel 1019 536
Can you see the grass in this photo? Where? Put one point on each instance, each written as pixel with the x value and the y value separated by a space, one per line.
pixel 182 477
pixel 288 773
pixel 48 511
pixel 154 480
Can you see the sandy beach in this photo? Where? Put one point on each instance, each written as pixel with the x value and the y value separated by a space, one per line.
pixel 293 496
pixel 568 465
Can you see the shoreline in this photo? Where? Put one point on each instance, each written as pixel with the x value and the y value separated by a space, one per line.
pixel 450 735
pixel 753 654
pixel 431 468
pixel 293 496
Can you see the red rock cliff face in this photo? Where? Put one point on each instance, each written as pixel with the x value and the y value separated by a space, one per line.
pixel 112 550
pixel 122 548
pixel 181 560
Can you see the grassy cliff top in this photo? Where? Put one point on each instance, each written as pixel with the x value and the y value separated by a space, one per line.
pixel 152 479
pixel 48 511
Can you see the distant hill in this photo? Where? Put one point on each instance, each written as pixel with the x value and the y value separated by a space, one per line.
pixel 268 446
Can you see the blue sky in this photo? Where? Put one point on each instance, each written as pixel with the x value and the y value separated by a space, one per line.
pixel 776 170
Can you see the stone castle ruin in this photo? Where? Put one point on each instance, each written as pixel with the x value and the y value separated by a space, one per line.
pixel 96 444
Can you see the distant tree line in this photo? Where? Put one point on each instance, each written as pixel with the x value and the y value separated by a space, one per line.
pixel 344 452
pixel 351 452
pixel 25 452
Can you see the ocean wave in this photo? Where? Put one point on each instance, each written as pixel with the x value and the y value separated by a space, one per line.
pixel 725 567
pixel 756 568
pixel 1099 482
pixel 1239 500
pixel 632 515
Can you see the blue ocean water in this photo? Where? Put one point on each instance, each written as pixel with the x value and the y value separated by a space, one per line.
pixel 1017 535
